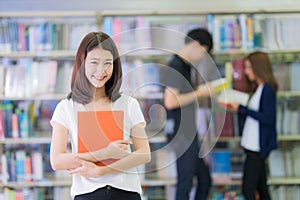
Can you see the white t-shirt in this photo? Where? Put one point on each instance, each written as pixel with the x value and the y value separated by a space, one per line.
pixel 250 137
pixel 66 114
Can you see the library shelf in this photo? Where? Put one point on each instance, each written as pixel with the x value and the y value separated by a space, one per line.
pixel 68 181
pixel 158 182
pixel 284 181
pixel 227 183
pixel 280 138
pixel 156 138
pixel 51 96
pixel 51 14
pixel 31 140
pixel 39 54
pixel 292 137
pixel 43 183
pixel 156 95
pixel 288 93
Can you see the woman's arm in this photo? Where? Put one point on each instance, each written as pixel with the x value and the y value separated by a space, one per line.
pixel 173 99
pixel 140 155
pixel 267 113
pixel 61 160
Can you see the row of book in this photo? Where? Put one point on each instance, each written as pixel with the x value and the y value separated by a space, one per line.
pixel 38 193
pixel 22 166
pixel 25 34
pixel 22 119
pixel 140 78
pixel 241 31
pixel 285 163
pixel 230 195
pixel 284 71
pixel 26 78
pixel 285 192
pixel 229 32
pixel 288 115
pixel 234 32
pixel 280 32
pixel 23 194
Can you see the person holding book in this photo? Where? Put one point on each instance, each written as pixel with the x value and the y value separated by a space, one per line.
pixel 181 95
pixel 95 86
pixel 259 136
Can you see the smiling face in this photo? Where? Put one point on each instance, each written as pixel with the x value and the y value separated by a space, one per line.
pixel 98 67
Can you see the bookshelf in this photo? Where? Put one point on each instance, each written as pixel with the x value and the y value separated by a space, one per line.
pixel 176 20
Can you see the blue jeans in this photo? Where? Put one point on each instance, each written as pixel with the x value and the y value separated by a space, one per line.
pixel 190 165
pixel 109 193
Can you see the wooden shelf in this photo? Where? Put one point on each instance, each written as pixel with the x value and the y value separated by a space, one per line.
pixel 44 183
pixel 288 93
pixel 284 181
pixel 280 137
pixel 227 183
pixel 52 14
pixel 34 140
pixel 142 53
pixel 289 137
pixel 67 182
pixel 196 12
pixel 156 95
pixel 217 11
pixel 158 182
pixel 37 97
pixel 40 54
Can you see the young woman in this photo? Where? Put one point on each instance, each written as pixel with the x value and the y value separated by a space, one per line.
pixel 95 85
pixel 259 131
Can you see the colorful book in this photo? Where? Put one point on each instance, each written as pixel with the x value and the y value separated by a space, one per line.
pixel 96 129
pixel 217 85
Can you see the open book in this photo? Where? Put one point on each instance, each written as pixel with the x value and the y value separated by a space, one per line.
pixel 229 96
pixel 217 85
pixel 96 129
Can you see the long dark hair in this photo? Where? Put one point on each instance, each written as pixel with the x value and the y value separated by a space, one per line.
pixel 262 68
pixel 82 91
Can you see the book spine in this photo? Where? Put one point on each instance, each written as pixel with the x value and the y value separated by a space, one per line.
pixel 15 126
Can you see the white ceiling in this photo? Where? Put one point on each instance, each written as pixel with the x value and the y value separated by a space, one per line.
pixel 155 5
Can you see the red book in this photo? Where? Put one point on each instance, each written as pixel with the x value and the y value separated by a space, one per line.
pixel 96 129
pixel 239 78
pixel 2 129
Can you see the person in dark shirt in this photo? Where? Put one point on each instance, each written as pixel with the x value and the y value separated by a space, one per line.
pixel 180 100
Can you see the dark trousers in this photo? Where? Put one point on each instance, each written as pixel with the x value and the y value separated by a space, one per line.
pixel 254 177
pixel 109 193
pixel 190 165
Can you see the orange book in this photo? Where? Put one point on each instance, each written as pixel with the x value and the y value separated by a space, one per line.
pixel 96 129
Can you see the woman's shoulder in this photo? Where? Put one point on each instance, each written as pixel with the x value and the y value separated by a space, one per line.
pixel 268 87
pixel 268 91
pixel 65 104
pixel 127 98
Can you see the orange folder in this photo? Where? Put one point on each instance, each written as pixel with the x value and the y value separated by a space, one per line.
pixel 96 129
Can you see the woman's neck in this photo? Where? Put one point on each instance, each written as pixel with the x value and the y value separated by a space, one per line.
pixel 100 94
pixel 100 101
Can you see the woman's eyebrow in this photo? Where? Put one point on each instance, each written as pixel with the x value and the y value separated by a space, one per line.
pixel 108 59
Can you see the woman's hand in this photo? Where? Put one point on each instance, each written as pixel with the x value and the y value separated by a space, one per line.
pixel 118 149
pixel 234 106
pixel 115 150
pixel 86 169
